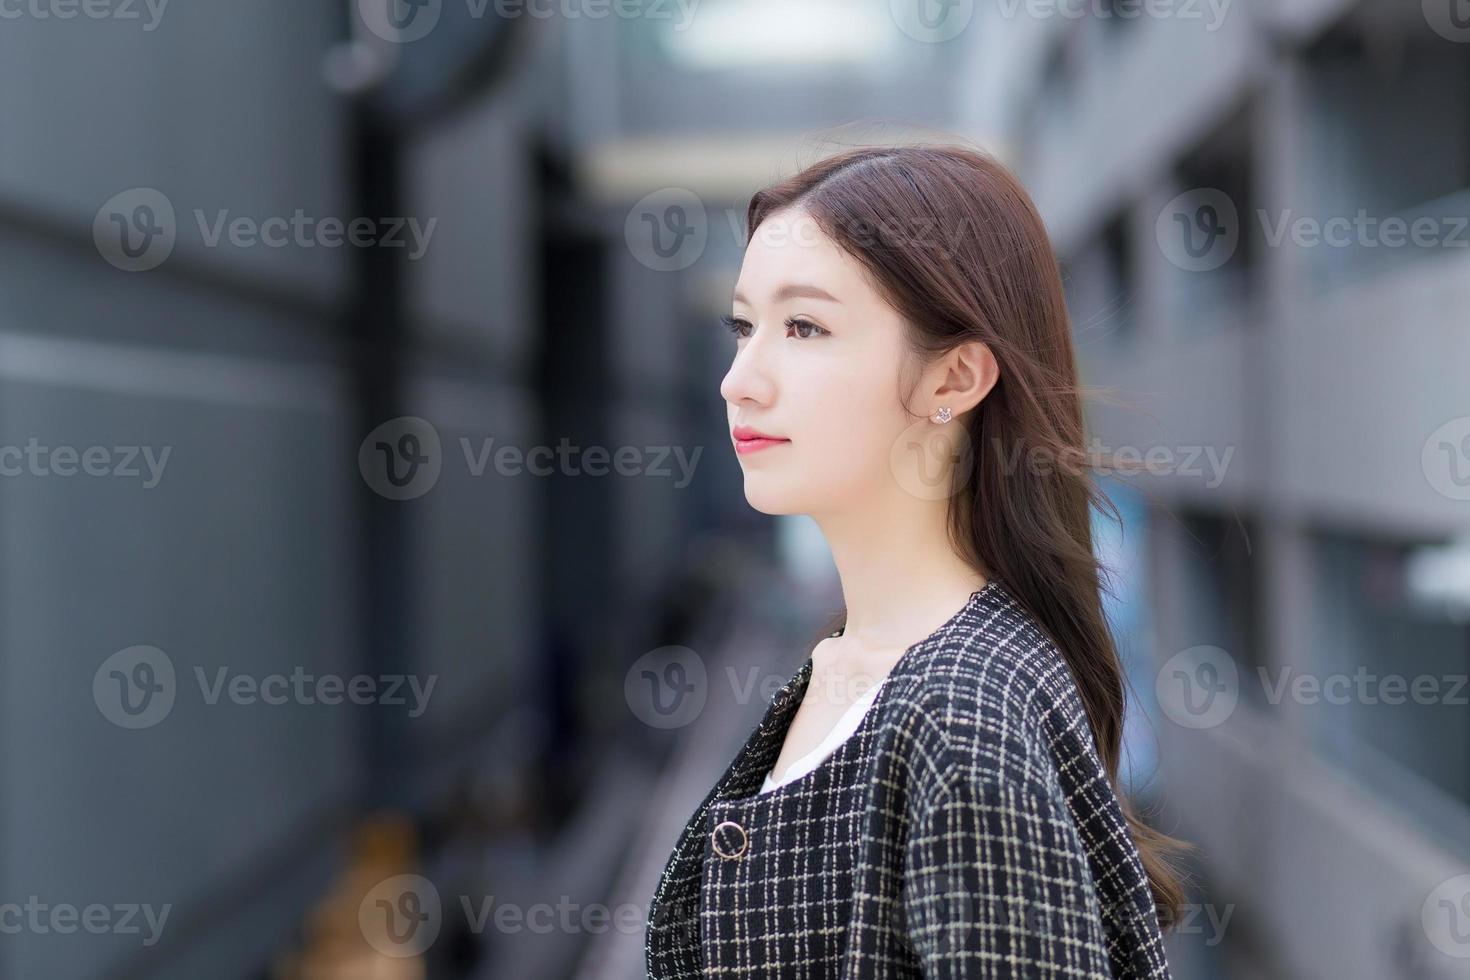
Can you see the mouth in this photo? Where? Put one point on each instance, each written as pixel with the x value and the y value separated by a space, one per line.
pixel 751 441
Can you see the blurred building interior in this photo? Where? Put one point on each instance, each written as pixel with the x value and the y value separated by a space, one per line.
pixel 542 146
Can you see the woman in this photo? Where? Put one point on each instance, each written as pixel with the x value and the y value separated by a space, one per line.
pixel 933 793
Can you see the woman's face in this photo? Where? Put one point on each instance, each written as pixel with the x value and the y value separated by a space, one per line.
pixel 817 358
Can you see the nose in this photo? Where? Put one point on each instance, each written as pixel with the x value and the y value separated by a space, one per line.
pixel 750 377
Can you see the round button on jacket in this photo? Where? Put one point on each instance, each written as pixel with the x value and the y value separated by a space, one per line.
pixel 729 840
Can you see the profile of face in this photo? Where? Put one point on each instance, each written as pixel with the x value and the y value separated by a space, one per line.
pixel 819 366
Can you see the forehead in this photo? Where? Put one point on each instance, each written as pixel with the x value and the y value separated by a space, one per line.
pixel 788 247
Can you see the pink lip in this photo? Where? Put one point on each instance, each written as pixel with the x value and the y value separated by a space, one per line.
pixel 748 440
pixel 755 445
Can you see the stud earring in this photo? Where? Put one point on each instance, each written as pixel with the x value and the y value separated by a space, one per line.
pixel 942 416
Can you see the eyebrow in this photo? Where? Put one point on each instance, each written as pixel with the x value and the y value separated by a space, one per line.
pixel 794 290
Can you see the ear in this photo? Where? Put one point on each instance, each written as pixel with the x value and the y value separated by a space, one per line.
pixel 961 378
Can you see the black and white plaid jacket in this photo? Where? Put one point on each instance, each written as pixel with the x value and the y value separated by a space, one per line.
pixel 966 829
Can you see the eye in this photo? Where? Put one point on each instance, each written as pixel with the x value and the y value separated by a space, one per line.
pixel 805 329
pixel 799 323
pixel 735 325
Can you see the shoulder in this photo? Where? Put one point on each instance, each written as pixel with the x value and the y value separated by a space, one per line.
pixel 989 705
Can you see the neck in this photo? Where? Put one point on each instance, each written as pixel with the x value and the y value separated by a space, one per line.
pixel 901 578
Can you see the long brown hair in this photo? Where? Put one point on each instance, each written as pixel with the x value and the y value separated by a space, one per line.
pixel 955 244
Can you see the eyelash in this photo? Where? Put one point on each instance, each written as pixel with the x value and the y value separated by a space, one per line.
pixel 734 324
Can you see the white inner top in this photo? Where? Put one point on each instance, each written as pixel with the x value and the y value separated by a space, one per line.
pixel 841 732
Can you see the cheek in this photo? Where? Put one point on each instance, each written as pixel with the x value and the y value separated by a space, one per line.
pixel 848 419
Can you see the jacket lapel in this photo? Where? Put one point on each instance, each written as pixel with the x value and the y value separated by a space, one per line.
pixel 673 931
pixel 759 753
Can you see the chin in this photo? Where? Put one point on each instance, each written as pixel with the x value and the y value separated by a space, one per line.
pixel 771 500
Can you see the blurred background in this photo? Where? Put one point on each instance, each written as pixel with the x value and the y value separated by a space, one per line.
pixel 363 468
